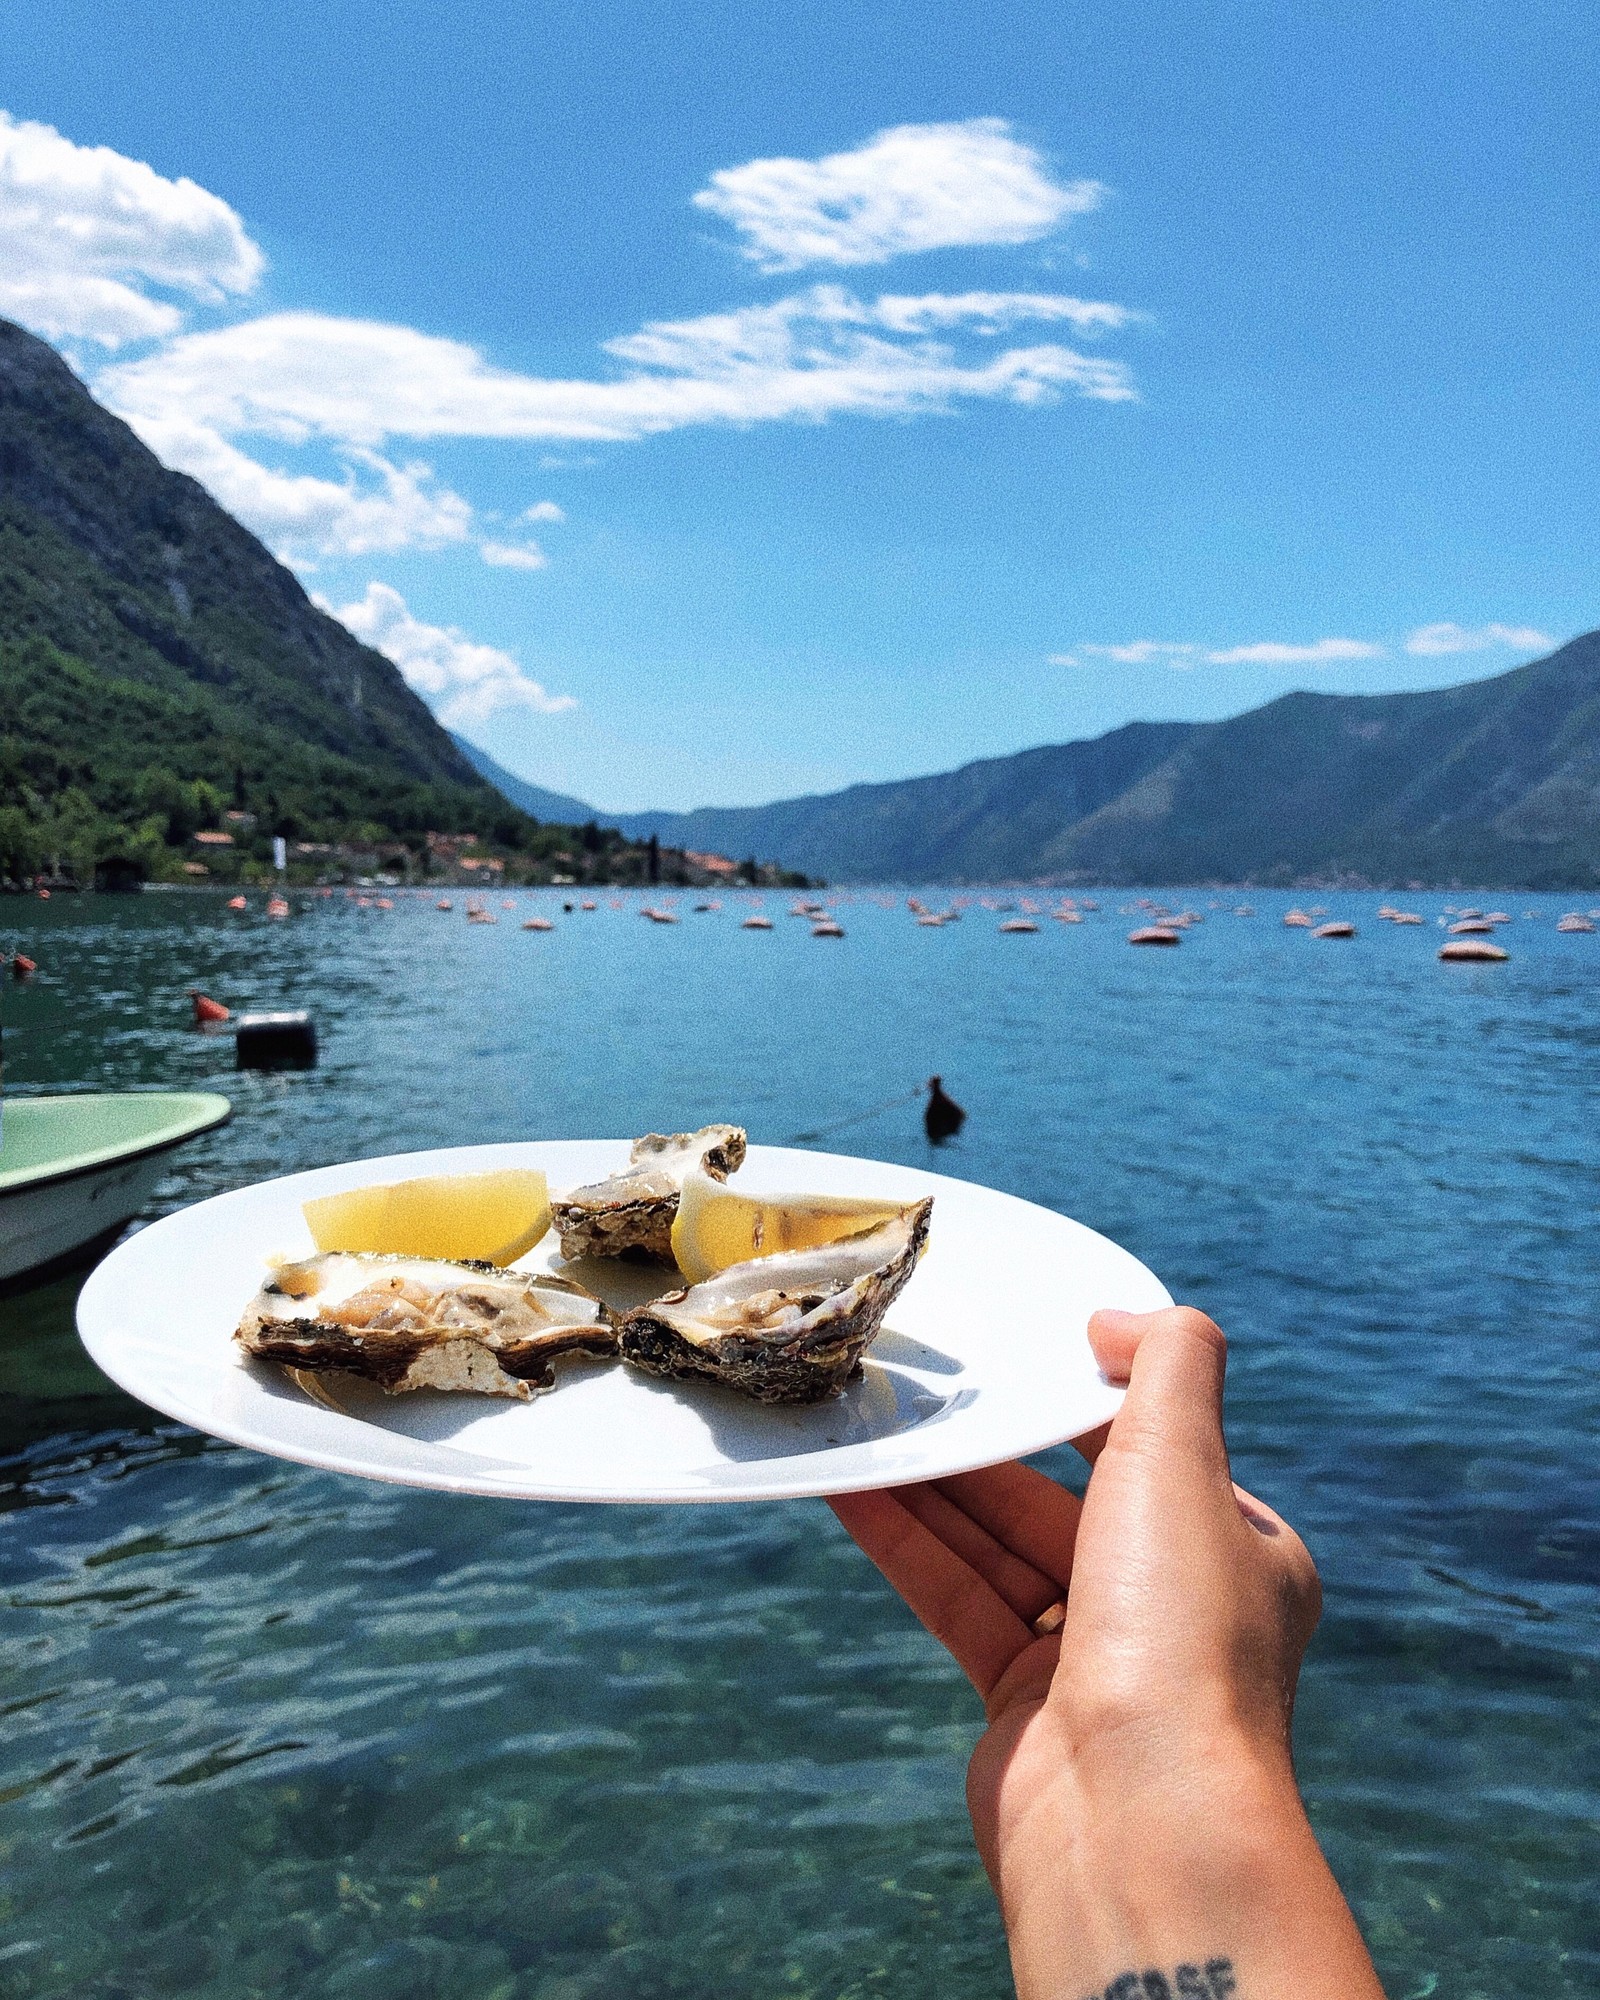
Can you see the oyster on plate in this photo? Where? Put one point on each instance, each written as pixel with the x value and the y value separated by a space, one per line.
pixel 632 1212
pixel 421 1323
pixel 791 1328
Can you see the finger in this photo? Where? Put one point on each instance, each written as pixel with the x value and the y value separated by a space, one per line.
pixel 1026 1589
pixel 962 1612
pixel 1025 1511
pixel 1115 1335
pixel 1172 1412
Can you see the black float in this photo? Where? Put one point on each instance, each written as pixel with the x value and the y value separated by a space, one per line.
pixel 276 1041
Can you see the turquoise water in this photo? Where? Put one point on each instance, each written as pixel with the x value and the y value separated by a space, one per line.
pixel 275 1731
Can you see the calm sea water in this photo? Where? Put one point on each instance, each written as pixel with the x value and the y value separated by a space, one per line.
pixel 275 1731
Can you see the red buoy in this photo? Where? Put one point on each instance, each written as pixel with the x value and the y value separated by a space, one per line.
pixel 206 1009
pixel 21 966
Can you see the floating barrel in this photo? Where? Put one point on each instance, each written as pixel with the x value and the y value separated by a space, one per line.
pixel 276 1041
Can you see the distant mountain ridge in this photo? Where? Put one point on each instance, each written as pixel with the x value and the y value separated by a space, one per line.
pixel 534 799
pixel 1491 783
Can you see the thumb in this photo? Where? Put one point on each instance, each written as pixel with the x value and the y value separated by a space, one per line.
pixel 1174 1363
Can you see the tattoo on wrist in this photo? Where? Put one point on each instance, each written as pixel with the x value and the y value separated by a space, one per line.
pixel 1212 1981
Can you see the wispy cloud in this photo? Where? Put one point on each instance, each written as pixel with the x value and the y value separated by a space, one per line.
pixel 996 312
pixel 912 187
pixel 1186 653
pixel 89 240
pixel 1446 638
pixel 463 681
pixel 1144 653
pixel 1274 653
pixel 298 378
pixel 513 555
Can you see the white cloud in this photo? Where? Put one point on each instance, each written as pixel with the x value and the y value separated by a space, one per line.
pixel 995 312
pixel 816 354
pixel 462 681
pixel 85 232
pixel 542 510
pixel 298 378
pixel 913 187
pixel 513 555
pixel 1272 653
pixel 1146 653
pixel 1447 638
pixel 375 508
pixel 1184 653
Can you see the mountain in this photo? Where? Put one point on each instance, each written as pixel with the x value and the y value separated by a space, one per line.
pixel 532 799
pixel 158 665
pixel 984 823
pixel 1495 782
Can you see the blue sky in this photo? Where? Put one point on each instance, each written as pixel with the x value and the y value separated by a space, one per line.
pixel 714 403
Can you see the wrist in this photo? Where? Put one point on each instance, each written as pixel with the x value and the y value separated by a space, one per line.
pixel 1158 1859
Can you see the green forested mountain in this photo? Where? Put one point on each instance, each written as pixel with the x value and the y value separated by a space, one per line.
pixel 159 669
pixel 1496 782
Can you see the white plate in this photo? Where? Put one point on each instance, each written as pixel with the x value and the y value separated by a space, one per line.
pixel 984 1356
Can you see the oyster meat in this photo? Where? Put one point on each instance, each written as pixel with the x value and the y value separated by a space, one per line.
pixel 632 1213
pixel 791 1328
pixel 420 1323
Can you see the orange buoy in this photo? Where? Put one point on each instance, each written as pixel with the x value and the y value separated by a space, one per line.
pixel 44 895
pixel 1473 951
pixel 237 903
pixel 444 903
pixel 1155 934
pixel 22 965
pixel 205 1008
pixel 1334 930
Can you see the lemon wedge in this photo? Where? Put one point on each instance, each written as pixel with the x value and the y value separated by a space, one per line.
pixel 493 1217
pixel 716 1228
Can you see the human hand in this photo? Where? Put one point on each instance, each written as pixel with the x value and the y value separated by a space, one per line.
pixel 1136 1767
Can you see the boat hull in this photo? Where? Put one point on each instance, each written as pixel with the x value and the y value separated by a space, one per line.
pixel 74 1170
pixel 48 1225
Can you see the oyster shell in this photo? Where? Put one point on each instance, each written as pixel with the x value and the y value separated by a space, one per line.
pixel 632 1213
pixel 421 1323
pixel 785 1329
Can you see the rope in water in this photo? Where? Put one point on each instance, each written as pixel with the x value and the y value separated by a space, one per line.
pixel 855 1118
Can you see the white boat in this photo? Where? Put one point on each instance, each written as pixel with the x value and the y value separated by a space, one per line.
pixel 74 1170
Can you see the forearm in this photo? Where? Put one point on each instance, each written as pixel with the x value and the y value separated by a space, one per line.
pixel 1210 1887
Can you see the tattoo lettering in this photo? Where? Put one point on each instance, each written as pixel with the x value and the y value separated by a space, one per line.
pixel 1212 1981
